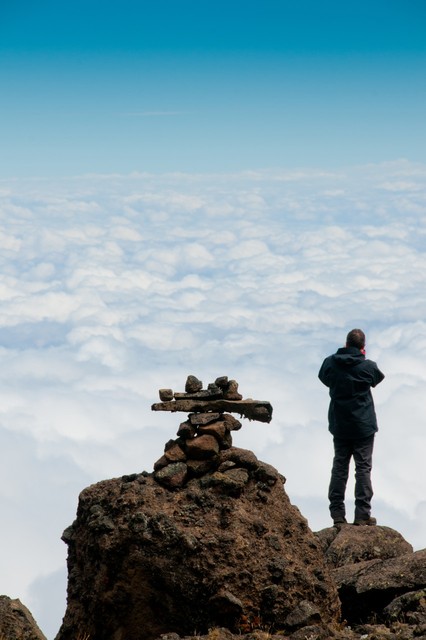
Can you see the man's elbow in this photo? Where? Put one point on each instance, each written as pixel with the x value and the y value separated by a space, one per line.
pixel 323 380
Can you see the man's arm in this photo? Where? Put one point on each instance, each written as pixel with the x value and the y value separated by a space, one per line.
pixel 377 375
pixel 324 373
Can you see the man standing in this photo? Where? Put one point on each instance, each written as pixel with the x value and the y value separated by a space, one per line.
pixel 352 421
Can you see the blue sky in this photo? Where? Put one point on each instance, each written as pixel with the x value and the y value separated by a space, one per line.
pixel 207 188
pixel 209 86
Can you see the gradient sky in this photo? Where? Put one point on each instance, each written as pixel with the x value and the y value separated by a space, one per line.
pixel 207 188
pixel 194 85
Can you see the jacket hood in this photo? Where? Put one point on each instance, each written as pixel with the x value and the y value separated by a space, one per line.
pixel 348 356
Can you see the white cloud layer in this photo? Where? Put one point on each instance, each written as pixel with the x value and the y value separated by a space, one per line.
pixel 112 287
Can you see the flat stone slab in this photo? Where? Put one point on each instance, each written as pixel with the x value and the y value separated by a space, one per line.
pixel 259 410
pixel 206 394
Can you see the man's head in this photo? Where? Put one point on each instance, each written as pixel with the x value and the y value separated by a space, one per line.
pixel 356 338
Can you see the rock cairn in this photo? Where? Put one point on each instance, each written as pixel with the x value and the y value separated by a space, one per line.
pixel 207 431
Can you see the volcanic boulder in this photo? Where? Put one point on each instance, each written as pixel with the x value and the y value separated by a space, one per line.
pixel 379 578
pixel 227 549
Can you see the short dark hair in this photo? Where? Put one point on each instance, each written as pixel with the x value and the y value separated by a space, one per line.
pixel 356 338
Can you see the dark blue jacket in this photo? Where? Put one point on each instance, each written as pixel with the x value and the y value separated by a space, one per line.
pixel 350 376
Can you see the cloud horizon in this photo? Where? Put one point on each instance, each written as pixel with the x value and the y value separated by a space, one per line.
pixel 114 287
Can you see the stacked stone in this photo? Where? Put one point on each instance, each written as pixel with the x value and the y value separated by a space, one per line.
pixel 220 388
pixel 201 438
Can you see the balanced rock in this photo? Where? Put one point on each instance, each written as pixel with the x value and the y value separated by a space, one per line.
pixel 207 431
pixel 166 394
pixel 193 385
pixel 221 395
pixel 231 391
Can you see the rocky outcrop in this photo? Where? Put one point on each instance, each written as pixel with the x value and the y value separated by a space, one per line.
pixel 16 622
pixel 347 545
pixel 381 585
pixel 380 580
pixel 209 547
pixel 210 539
pixel 228 549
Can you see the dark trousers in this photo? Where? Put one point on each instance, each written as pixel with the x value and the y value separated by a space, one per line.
pixel 362 452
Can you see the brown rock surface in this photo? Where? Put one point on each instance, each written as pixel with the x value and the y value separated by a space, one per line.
pixel 409 608
pixel 259 410
pixel 218 430
pixel 166 394
pixel 193 385
pixel 16 622
pixel 349 544
pixel 175 453
pixel 203 418
pixel 379 578
pixel 173 475
pixel 205 446
pixel 145 560
pixel 366 588
pixel 231 391
pixel 210 543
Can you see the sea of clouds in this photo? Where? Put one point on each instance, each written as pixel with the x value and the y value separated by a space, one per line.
pixel 113 287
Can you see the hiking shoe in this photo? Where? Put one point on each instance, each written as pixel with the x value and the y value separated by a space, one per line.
pixel 362 522
pixel 339 520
